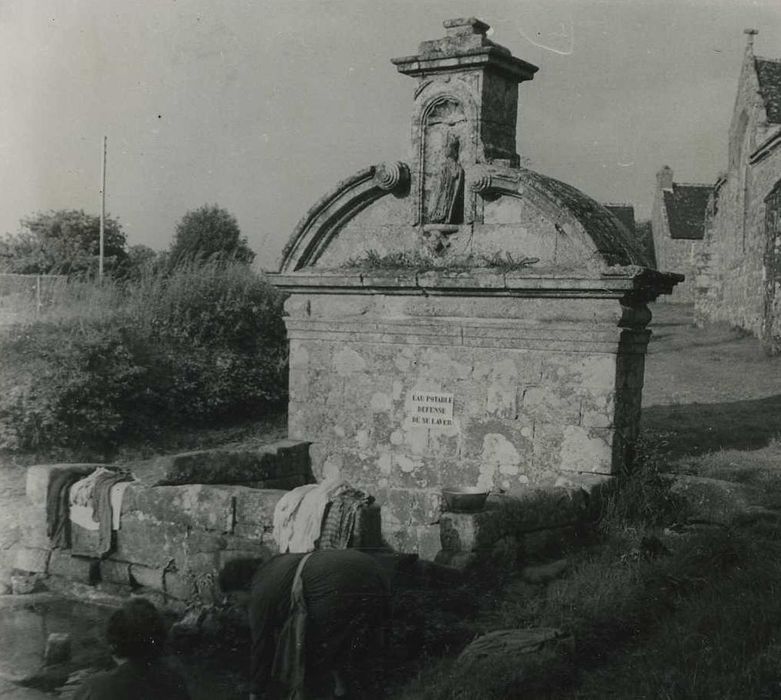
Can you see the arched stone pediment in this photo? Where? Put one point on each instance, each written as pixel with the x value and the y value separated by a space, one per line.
pixel 330 213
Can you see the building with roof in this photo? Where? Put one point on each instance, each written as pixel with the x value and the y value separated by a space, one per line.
pixel 678 228
pixel 739 267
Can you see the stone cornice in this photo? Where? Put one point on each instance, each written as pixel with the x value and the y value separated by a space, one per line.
pixel 641 283
pixel 488 57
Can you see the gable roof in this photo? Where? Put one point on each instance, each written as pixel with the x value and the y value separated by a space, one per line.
pixel 625 213
pixel 685 205
pixel 769 77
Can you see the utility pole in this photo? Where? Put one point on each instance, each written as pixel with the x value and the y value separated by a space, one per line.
pixel 102 206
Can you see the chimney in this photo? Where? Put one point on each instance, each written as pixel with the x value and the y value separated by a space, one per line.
pixel 664 178
pixel 751 33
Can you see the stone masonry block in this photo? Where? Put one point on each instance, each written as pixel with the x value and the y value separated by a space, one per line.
pixel 112 571
pixel 32 559
pixel 280 459
pixel 39 475
pixel 81 569
pixel 33 528
pixel 255 511
pixel 146 577
pixel 428 541
pixel 145 540
pixel 466 532
pixel 178 586
pixel 193 505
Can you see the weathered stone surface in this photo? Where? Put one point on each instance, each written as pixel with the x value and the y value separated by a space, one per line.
pixel 32 559
pixel 143 540
pixel 146 577
pixel 112 571
pixel 82 569
pixel 33 527
pixel 738 279
pixel 193 505
pixel 535 511
pixel 254 511
pixel 279 460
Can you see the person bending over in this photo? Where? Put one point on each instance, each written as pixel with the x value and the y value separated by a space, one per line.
pixel 136 635
pixel 346 595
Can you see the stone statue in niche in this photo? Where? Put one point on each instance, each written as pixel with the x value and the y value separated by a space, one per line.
pixel 446 203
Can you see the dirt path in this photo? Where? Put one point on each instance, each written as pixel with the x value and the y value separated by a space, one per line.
pixel 708 390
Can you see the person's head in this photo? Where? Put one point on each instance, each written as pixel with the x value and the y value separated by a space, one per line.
pixel 136 630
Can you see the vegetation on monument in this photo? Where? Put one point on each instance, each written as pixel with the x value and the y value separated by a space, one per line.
pixel 125 361
pixel 420 262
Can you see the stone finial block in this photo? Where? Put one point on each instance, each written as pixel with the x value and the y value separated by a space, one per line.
pixel 465 25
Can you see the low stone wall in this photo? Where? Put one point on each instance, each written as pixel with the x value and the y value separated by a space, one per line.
pixel 174 538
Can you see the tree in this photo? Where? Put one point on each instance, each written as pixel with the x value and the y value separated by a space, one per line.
pixel 141 259
pixel 209 233
pixel 66 242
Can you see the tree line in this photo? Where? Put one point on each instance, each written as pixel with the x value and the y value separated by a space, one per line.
pixel 67 242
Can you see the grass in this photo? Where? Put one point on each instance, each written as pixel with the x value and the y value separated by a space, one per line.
pixel 419 262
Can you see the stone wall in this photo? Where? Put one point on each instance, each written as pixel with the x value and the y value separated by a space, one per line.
pixel 679 255
pixel 174 539
pixel 731 273
pixel 543 392
pixel 731 277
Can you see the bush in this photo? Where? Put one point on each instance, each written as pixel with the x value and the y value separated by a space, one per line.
pixel 116 363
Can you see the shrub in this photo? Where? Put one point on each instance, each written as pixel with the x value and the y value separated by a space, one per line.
pixel 113 363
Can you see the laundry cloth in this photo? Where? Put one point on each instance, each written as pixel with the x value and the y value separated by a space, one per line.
pixel 58 525
pixel 298 516
pixel 340 518
pixel 85 543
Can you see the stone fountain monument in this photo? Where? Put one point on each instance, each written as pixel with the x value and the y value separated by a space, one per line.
pixel 456 319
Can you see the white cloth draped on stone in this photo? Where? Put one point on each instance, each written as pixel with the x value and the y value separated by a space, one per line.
pixel 82 504
pixel 299 515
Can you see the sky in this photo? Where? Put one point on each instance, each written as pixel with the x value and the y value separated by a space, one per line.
pixel 261 106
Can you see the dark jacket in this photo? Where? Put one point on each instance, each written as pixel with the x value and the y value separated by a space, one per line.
pixel 347 595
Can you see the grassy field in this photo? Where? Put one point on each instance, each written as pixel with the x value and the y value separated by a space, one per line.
pixel 659 608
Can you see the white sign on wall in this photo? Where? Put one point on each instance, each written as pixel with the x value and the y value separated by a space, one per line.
pixel 430 410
